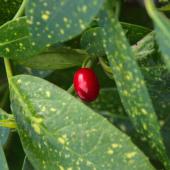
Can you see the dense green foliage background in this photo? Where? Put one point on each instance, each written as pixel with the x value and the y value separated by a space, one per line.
pixel 44 125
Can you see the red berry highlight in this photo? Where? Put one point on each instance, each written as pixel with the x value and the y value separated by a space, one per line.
pixel 86 84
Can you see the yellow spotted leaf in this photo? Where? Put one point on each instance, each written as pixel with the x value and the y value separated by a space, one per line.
pixel 59 132
pixel 58 21
pixel 131 86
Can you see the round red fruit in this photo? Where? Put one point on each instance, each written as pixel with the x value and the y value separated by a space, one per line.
pixel 86 84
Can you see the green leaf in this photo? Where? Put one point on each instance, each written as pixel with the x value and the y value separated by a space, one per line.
pixel 3 163
pixel 108 102
pixel 134 32
pixel 162 27
pixel 58 21
pixel 4 132
pixel 27 165
pixel 20 69
pixel 15 41
pixel 58 131
pixel 145 47
pixel 91 41
pixel 8 9
pixel 56 58
pixel 131 87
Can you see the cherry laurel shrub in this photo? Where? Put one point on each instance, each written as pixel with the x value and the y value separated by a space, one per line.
pixel 46 121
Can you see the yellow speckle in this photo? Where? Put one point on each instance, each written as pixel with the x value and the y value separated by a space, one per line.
pixel 129 76
pixel 84 8
pixel 94 34
pixel 65 19
pixel 110 151
pixel 29 22
pixel 20 44
pixel 36 128
pixel 43 109
pixel 36 124
pixel 7 49
pixel 61 140
pixel 37 120
pixel 130 155
pixel 144 111
pixel 45 16
pixel 19 81
pixel 145 127
pixel 82 26
pixel 61 167
pixel 49 36
pixel 48 45
pixel 125 93
pixel 69 168
pixel 61 31
pixel 48 94
pixel 115 145
pixel 53 109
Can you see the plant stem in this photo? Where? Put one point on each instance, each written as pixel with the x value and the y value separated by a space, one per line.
pixel 105 67
pixel 7 61
pixel 21 10
pixel 8 68
pixel 8 124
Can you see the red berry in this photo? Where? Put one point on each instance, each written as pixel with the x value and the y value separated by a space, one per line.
pixel 86 84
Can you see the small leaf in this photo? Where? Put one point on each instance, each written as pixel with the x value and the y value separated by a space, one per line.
pixel 162 27
pixel 3 163
pixel 59 132
pixel 59 58
pixel 58 21
pixel 131 86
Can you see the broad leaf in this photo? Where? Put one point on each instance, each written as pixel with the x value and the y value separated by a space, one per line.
pixel 59 58
pixel 131 87
pixel 162 27
pixel 59 132
pixel 58 21
pixel 3 163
